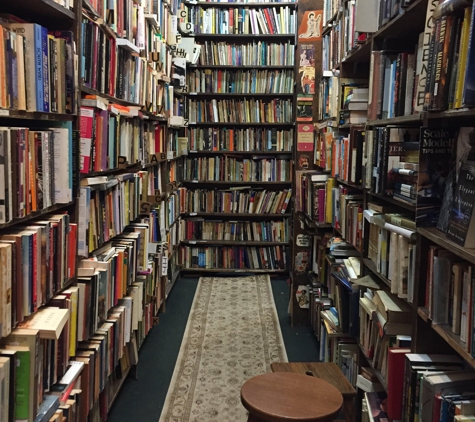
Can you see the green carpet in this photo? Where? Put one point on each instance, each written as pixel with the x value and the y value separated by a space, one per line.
pixel 143 399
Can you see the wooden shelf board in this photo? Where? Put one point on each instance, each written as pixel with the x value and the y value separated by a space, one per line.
pixel 35 115
pixel 233 243
pixel 453 114
pixel 231 67
pixel 360 54
pixel 32 216
pixel 445 331
pixel 413 118
pixel 239 4
pixel 219 215
pixel 245 124
pixel 44 12
pixel 121 383
pixel 401 204
pixel 349 184
pixel 424 314
pixel 372 266
pixel 440 239
pixel 404 24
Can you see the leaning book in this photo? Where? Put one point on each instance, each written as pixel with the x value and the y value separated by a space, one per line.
pixel 461 220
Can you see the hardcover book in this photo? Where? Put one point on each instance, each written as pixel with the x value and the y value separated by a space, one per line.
pixel 461 227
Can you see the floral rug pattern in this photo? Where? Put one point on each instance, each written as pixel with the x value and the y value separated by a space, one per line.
pixel 232 334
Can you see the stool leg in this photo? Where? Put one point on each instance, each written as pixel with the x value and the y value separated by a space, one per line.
pixel 253 418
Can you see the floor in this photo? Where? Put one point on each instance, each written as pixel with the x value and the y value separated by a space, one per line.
pixel 142 399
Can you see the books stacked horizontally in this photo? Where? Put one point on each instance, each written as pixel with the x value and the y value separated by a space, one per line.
pixel 354 108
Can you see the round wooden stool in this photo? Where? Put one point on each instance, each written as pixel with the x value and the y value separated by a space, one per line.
pixel 285 396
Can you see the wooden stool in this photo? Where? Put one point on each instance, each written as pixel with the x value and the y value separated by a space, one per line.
pixel 331 373
pixel 284 396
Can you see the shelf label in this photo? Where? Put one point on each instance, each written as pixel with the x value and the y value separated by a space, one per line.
pixel 192 214
pixel 192 242
pixel 170 155
pixel 4 112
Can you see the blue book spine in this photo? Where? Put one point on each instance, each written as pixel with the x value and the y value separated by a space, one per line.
pixel 38 68
pixel 45 67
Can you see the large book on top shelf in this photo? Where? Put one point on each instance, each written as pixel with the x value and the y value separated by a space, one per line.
pixel 240 114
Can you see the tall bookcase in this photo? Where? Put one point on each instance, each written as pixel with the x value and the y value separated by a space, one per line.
pixel 91 165
pixel 238 172
pixel 390 55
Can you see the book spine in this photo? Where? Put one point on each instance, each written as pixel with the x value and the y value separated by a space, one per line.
pixel 45 70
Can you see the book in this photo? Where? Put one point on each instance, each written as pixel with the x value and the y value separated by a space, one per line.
pixel 461 221
pixel 48 321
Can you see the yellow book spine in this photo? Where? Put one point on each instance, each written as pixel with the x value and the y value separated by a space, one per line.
pixel 331 183
pixel 73 318
pixel 463 52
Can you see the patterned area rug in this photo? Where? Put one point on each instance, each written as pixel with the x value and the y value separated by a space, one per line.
pixel 232 334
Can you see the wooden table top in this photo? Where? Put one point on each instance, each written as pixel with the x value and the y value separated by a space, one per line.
pixel 286 396
pixel 327 371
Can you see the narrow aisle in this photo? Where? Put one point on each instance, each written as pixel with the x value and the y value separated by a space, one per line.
pixel 142 400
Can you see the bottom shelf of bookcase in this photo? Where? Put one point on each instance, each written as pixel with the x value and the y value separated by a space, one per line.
pixel 118 385
pixel 445 331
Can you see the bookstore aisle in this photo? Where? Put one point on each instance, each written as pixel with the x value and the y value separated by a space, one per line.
pixel 143 398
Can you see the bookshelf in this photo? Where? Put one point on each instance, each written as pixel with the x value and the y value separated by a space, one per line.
pixel 91 169
pixel 237 175
pixel 378 85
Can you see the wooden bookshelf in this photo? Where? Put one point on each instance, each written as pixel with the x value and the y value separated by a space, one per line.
pixel 243 153
pixel 240 37
pixel 372 267
pixel 241 124
pixel 233 270
pixel 34 115
pixel 236 242
pixel 239 95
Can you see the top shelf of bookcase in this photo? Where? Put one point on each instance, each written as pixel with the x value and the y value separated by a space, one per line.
pixel 44 12
pixel 240 4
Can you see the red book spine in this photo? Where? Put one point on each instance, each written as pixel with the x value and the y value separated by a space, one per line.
pixel 395 382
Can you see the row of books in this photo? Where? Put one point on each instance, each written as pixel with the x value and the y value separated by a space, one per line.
pixel 450 286
pixel 392 248
pixel 36 170
pixel 264 231
pixel 242 20
pixel 241 82
pixel 233 139
pixel 226 168
pixel 111 68
pixel 37 260
pixel 37 68
pixel 88 336
pixel 237 201
pixel 242 111
pixel 256 53
pixel 112 203
pixel 270 257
